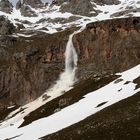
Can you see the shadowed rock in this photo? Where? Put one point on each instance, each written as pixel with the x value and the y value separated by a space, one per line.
pixel 26 6
pixel 80 7
pixel 108 2
pixel 32 3
pixel 6 27
pixel 6 6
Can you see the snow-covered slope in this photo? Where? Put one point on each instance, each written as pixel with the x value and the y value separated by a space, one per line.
pixel 119 89
pixel 51 19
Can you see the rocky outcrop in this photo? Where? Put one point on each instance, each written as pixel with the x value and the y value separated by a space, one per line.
pixel 6 27
pixel 32 3
pixel 6 6
pixel 127 12
pixel 30 66
pixel 26 6
pixel 27 11
pixel 109 46
pixel 108 2
pixel 82 7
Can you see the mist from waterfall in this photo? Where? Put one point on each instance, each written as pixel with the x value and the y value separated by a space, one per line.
pixel 67 78
pixel 71 57
pixel 62 85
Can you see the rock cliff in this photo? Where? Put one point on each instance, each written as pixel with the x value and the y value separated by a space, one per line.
pixel 26 6
pixel 6 6
pixel 30 66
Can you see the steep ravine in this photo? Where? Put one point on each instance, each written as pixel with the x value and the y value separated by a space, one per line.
pixel 34 63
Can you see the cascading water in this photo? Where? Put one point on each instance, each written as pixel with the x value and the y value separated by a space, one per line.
pixel 71 57
pixel 67 78
pixel 63 84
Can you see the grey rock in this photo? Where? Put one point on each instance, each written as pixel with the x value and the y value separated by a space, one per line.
pixel 81 7
pixel 31 52
pixel 3 54
pixel 18 55
pixel 63 102
pixel 27 11
pixel 6 27
pixel 32 3
pixel 126 12
pixel 6 6
pixel 57 110
pixel 108 2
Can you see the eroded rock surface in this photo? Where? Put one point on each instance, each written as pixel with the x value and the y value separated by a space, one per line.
pixel 34 63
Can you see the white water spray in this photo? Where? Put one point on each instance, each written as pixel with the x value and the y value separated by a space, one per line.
pixel 71 57
pixel 63 84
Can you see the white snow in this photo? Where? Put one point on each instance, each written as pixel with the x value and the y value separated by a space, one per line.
pixel 53 12
pixel 65 83
pixel 111 93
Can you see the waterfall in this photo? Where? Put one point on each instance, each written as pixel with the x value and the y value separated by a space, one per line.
pixel 71 58
pixel 67 78
pixel 62 85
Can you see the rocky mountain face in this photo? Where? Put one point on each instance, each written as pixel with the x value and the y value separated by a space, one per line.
pixel 83 7
pixel 109 46
pixel 108 2
pixel 32 3
pixel 41 79
pixel 6 6
pixel 31 61
pixel 30 66
pixel 25 7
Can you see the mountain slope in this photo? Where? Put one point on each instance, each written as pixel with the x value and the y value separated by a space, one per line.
pixel 93 102
pixel 62 15
pixel 69 69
